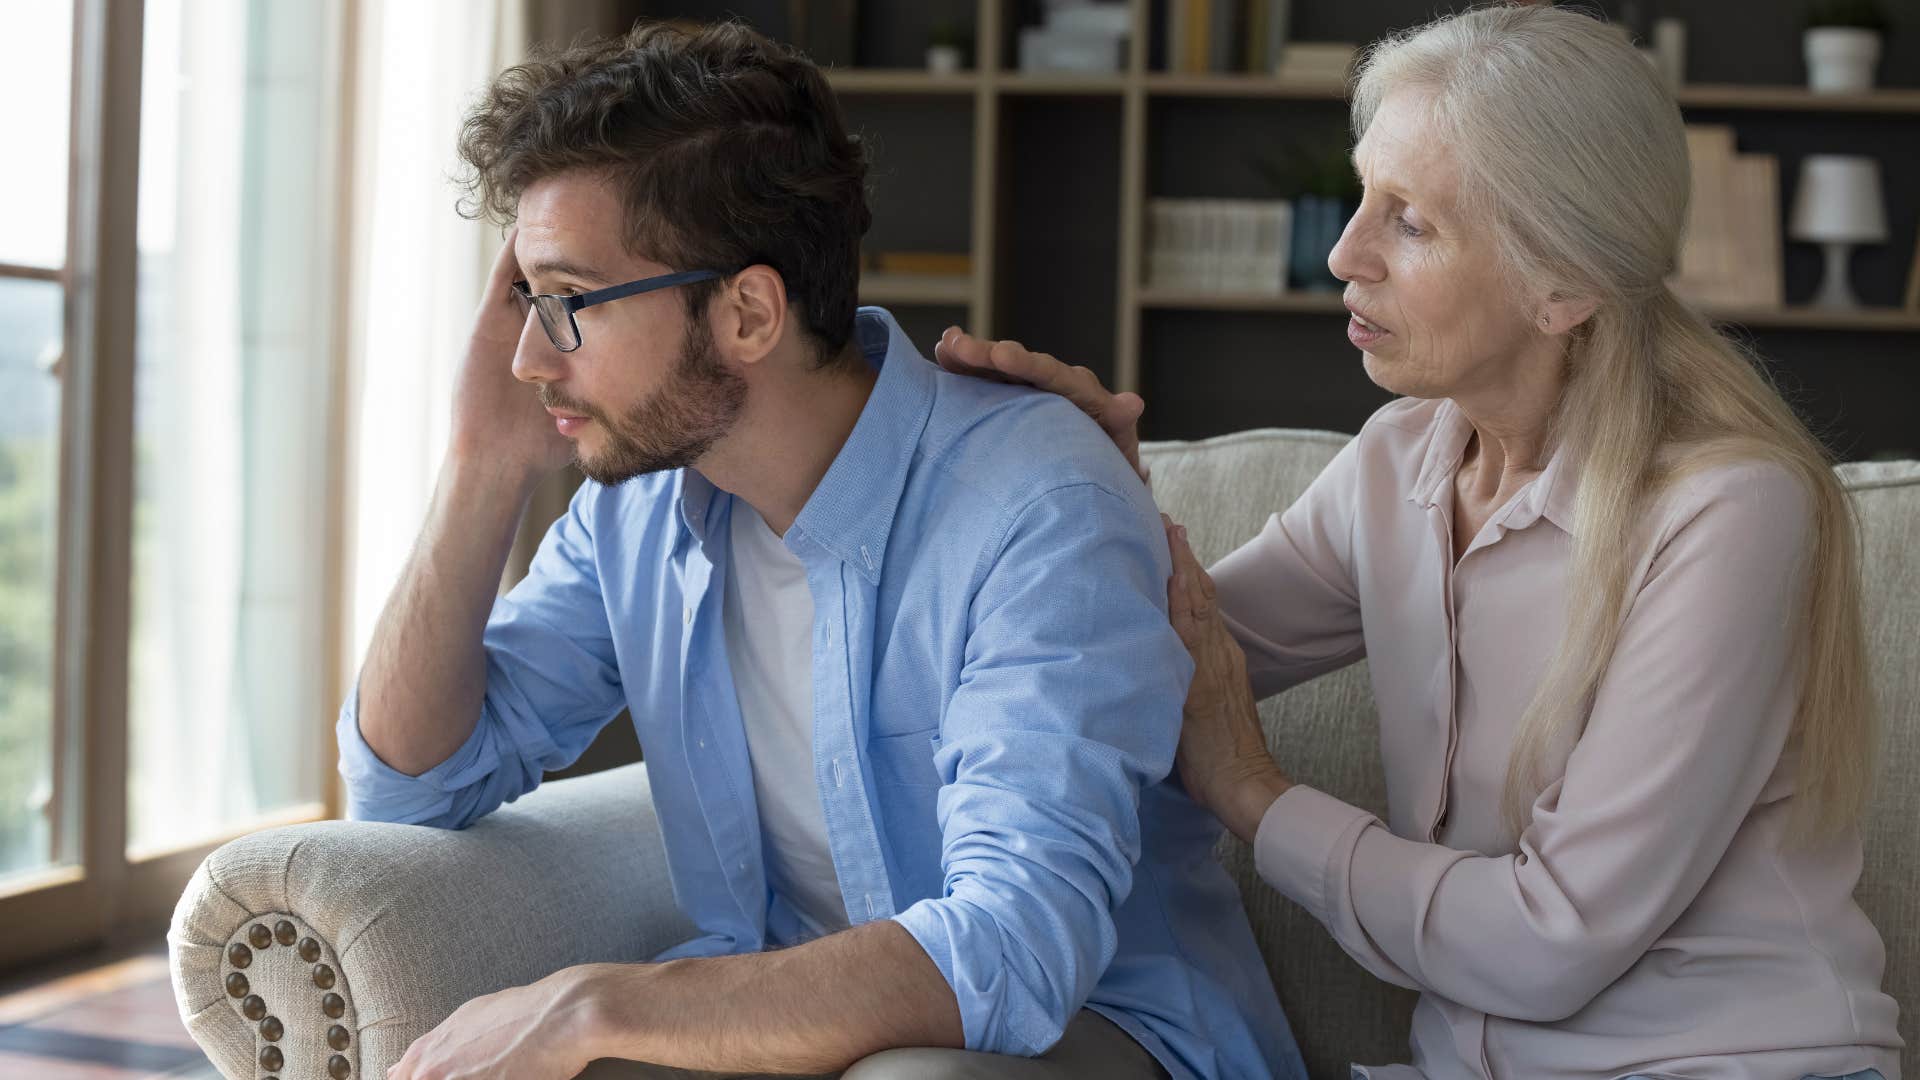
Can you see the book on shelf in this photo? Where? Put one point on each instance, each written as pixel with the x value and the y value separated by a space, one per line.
pixel 1224 36
pixel 1218 245
pixel 1315 61
pixel 1731 255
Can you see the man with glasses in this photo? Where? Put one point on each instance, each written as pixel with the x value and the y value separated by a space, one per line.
pixel 894 640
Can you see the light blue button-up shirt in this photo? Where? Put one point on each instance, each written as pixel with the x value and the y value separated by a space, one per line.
pixel 997 699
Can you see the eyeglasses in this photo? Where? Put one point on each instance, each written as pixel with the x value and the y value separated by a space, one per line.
pixel 556 311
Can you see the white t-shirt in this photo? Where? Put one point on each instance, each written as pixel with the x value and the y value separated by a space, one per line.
pixel 769 625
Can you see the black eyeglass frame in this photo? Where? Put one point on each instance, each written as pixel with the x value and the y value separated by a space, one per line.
pixel 552 306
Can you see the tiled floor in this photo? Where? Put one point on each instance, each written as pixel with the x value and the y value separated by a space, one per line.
pixel 105 1018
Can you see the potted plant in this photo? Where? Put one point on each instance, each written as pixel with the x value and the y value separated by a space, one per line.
pixel 1843 45
pixel 1318 177
pixel 947 48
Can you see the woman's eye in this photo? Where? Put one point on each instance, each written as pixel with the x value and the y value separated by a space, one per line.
pixel 1406 227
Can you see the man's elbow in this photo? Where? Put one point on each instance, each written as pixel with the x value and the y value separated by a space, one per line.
pixel 439 813
pixel 1040 992
pixel 429 808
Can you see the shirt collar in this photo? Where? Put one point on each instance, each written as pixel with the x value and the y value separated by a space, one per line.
pixel 1549 495
pixel 850 513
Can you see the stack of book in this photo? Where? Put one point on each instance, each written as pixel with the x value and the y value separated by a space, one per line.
pixel 1317 61
pixel 1218 245
pixel 1225 35
pixel 1731 257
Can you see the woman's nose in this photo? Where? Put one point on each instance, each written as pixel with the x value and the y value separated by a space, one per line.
pixel 1354 258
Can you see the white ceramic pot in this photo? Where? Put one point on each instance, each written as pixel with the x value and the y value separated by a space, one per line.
pixel 943 59
pixel 1841 59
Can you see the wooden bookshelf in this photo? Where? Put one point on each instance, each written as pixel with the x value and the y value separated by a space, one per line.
pixel 1796 99
pixel 1019 83
pixel 906 81
pixel 1252 87
pixel 1326 303
pixel 1801 317
pixel 1795 317
pixel 1053 173
pixel 953 290
pixel 901 82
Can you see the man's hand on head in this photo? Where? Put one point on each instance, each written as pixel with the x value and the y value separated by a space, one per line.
pixel 497 419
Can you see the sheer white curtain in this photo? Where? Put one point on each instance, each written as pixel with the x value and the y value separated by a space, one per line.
pixel 417 267
pixel 231 400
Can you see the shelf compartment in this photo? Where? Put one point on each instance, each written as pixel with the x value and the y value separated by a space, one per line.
pixel 946 289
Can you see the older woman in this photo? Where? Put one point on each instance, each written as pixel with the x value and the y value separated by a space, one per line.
pixel 1606 583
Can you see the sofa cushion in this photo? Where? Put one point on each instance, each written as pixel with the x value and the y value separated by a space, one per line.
pixel 1223 490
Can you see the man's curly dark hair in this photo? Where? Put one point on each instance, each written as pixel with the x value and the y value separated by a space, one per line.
pixel 729 150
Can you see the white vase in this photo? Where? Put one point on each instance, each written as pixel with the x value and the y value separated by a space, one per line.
pixel 943 59
pixel 1841 59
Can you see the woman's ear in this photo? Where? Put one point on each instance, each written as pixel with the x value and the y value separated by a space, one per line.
pixel 1561 314
pixel 752 314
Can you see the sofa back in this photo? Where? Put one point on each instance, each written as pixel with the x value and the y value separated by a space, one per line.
pixel 1326 731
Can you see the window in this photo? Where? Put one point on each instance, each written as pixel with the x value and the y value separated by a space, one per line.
pixel 35 58
pixel 168 458
pixel 230 440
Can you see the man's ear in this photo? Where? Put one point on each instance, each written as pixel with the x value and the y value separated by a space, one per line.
pixel 750 314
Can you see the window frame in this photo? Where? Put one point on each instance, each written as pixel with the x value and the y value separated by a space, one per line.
pixel 95 893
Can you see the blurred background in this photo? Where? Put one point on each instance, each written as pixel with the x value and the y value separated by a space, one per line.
pixel 233 288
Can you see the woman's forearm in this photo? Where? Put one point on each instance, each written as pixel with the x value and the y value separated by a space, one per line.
pixel 1244 801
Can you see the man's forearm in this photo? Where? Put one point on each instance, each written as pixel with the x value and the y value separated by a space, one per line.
pixel 425 674
pixel 815 1008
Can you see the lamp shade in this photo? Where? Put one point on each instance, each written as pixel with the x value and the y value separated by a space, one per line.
pixel 1839 200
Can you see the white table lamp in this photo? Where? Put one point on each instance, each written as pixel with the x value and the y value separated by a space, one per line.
pixel 1838 204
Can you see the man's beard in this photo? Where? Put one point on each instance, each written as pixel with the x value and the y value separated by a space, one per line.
pixel 674 426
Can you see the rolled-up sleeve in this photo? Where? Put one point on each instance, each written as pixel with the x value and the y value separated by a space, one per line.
pixel 552 683
pixel 1068 704
pixel 1687 727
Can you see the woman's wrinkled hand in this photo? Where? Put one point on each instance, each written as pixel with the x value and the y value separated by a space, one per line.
pixel 1009 361
pixel 1223 759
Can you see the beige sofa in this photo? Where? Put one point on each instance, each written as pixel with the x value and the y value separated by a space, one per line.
pixel 406 923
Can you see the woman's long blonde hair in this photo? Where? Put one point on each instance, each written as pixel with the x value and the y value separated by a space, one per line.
pixel 1574 152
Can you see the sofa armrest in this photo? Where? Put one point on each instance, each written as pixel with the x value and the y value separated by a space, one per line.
pixel 374 933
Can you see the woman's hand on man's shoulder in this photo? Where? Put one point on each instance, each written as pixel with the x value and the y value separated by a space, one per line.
pixel 1011 362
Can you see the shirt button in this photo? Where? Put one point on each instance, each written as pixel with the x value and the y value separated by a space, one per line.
pixel 689 616
pixel 701 743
